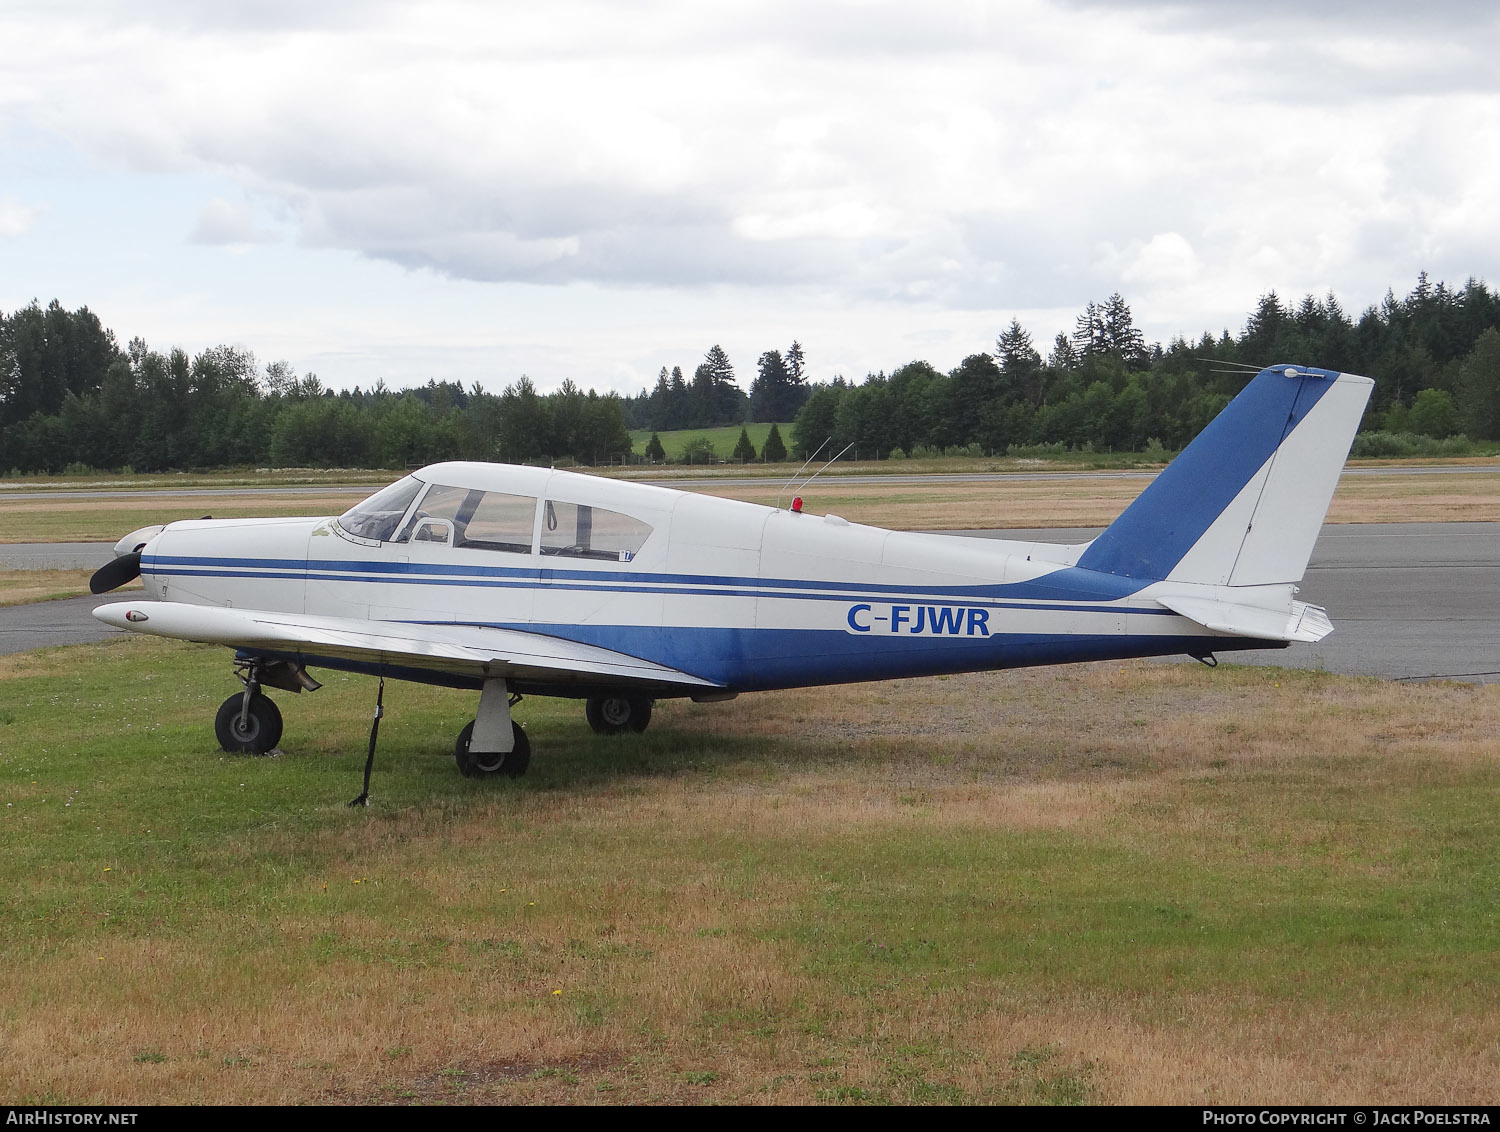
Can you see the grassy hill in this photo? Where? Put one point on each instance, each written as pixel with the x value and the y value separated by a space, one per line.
pixel 723 439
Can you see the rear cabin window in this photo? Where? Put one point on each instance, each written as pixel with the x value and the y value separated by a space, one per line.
pixel 482 520
pixel 575 530
pixel 501 522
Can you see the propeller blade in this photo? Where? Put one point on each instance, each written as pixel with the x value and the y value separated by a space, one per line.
pixel 112 575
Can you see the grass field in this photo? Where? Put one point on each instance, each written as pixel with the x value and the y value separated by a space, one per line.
pixel 1104 883
pixel 723 439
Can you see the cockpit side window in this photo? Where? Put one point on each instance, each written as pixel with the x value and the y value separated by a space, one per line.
pixel 440 502
pixel 481 520
pixel 377 517
pixel 576 530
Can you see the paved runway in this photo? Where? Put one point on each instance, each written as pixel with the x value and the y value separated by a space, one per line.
pixel 55 555
pixel 1408 601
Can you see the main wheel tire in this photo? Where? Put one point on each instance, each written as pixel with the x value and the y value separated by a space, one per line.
pixel 475 764
pixel 609 715
pixel 248 733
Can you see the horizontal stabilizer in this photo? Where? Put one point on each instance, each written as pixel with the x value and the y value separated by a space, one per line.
pixel 1303 622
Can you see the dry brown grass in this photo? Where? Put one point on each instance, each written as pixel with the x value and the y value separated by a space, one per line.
pixel 980 504
pixel 1081 501
pixel 1088 501
pixel 42 519
pixel 1459 497
pixel 18 587
pixel 678 913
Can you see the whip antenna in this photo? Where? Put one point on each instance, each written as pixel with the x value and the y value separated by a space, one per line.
pixel 800 470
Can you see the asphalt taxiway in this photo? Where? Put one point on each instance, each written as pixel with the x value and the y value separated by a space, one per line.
pixel 1409 601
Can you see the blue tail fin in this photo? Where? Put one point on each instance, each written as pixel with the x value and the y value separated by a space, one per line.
pixel 1243 503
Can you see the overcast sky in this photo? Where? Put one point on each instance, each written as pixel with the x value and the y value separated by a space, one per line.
pixel 592 190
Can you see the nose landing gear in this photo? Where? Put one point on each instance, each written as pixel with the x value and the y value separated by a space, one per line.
pixel 249 722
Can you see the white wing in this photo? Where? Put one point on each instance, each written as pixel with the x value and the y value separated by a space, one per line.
pixel 467 650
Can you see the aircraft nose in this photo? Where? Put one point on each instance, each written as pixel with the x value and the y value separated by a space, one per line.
pixel 126 566
pixel 116 573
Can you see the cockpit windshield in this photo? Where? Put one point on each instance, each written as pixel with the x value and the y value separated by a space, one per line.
pixel 377 517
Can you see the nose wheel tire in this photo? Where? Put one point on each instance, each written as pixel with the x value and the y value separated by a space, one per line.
pixel 252 732
pixel 610 715
pixel 479 764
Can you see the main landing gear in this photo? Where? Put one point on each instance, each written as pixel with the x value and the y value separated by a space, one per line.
pixel 493 743
pixel 618 711
pixel 476 764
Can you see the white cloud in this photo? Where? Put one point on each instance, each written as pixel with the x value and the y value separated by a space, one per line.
pixel 225 222
pixel 16 218
pixel 951 157
pixel 1166 258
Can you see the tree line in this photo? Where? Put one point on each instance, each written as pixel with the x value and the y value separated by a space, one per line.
pixel 714 398
pixel 1434 355
pixel 71 397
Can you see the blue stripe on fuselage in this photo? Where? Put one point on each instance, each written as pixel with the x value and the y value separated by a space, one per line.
pixel 1067 583
pixel 758 660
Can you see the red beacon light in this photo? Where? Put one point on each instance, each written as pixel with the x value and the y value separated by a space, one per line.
pixel 796 504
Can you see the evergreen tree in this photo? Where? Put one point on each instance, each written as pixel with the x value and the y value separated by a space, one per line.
pixel 778 390
pixel 654 451
pixel 796 388
pixel 744 451
pixel 766 391
pixel 717 399
pixel 1088 332
pixel 774 451
pixel 1020 363
pixel 1015 353
pixel 1064 357
pixel 659 408
pixel 525 423
pixel 795 362
pixel 1265 331
pixel 1480 383
pixel 679 402
pixel 1121 338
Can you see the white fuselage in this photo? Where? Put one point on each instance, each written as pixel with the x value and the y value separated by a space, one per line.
pixel 747 596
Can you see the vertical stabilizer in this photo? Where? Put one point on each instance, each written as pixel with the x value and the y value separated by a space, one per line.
pixel 1243 504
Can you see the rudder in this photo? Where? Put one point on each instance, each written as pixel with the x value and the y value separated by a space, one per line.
pixel 1243 503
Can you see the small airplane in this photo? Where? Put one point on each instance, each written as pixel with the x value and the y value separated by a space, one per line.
pixel 529 581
